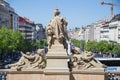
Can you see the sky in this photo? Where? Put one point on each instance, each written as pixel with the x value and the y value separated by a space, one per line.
pixel 78 13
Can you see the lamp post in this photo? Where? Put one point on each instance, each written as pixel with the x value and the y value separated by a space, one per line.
pixel 0 75
pixel 4 75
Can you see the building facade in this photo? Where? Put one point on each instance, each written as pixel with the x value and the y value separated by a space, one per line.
pixel 4 14
pixel 104 33
pixel 114 31
pixel 97 30
pixel 8 17
pixel 86 34
pixel 14 19
pixel 108 30
pixel 27 27
pixel 40 32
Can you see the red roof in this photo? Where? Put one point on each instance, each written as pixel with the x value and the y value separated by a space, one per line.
pixel 28 20
pixel 24 19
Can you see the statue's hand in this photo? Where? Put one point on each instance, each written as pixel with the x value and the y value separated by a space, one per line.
pixel 21 52
pixel 9 65
pixel 12 65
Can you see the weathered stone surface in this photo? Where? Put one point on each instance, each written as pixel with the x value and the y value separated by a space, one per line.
pixel 30 61
pixel 56 30
pixel 85 61
pixel 81 67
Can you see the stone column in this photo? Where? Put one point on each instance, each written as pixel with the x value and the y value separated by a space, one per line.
pixel 57 65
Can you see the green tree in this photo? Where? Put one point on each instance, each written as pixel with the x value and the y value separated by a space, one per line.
pixel 82 44
pixel 16 41
pixel 103 46
pixel 75 42
pixel 40 43
pixel 10 41
pixel 5 38
pixel 88 46
pixel 116 49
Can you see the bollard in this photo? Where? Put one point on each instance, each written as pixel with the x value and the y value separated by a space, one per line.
pixel 113 76
pixel 5 75
pixel 109 76
pixel 0 75
pixel 117 77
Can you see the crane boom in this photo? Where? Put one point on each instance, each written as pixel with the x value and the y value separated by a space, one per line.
pixel 112 5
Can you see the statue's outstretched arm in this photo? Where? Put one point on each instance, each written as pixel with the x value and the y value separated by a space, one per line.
pixel 22 53
pixel 27 56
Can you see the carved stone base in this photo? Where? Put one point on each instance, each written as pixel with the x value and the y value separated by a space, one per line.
pixel 57 65
pixel 88 75
pixel 57 74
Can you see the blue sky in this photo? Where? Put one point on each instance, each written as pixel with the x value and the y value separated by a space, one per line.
pixel 78 13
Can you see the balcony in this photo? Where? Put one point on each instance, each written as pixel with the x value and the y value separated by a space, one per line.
pixel 118 35
pixel 29 34
pixel 22 29
pixel 114 24
pixel 4 9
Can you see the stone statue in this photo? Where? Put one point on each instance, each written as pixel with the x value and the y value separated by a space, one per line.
pixel 56 30
pixel 84 61
pixel 21 63
pixel 39 60
pixel 30 61
pixel 76 50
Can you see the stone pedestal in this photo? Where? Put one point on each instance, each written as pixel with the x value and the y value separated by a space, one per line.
pixel 57 65
pixel 24 75
pixel 88 75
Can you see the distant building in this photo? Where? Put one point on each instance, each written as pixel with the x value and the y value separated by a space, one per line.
pixel 81 34
pixel 86 33
pixel 108 30
pixel 27 27
pixel 74 34
pixel 8 17
pixel 103 30
pixel 97 30
pixel 14 19
pixel 92 32
pixel 40 32
pixel 4 14
pixel 114 31
pixel 104 33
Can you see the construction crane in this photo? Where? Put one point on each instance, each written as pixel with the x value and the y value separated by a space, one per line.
pixel 112 6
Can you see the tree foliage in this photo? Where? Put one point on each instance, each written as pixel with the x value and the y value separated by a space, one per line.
pixel 40 43
pixel 75 42
pixel 11 41
pixel 102 46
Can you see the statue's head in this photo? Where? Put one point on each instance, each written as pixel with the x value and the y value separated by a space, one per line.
pixel 49 30
pixel 40 51
pixel 89 53
pixel 56 12
pixel 27 53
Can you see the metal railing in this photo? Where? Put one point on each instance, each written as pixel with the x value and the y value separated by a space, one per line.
pixel 113 76
pixel 3 75
pixel 112 73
